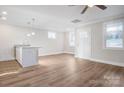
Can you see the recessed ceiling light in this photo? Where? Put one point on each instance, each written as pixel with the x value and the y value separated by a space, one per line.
pixel 3 18
pixel 4 13
pixel 33 33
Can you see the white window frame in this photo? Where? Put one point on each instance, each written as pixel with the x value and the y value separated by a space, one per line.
pixel 51 35
pixel 104 34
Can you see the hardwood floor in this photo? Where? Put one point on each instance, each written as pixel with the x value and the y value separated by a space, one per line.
pixel 61 71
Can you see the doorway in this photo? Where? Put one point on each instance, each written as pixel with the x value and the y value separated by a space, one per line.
pixel 83 43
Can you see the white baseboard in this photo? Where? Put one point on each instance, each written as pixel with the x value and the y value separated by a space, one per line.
pixel 10 59
pixel 68 52
pixel 107 62
pixel 52 53
pixel 82 58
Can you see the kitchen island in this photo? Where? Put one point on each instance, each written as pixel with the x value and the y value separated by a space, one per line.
pixel 27 55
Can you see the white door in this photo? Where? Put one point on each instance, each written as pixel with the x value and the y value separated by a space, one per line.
pixel 83 43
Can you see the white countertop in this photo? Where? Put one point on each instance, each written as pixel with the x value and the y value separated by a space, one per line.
pixel 26 46
pixel 30 47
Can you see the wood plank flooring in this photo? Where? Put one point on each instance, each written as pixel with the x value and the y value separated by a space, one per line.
pixel 61 70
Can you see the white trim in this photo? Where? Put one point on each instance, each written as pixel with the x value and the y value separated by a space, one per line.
pixel 104 34
pixel 68 52
pixel 10 59
pixel 103 61
pixel 54 53
pixel 107 62
pixel 85 58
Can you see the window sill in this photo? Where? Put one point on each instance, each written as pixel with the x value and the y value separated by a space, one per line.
pixel 113 48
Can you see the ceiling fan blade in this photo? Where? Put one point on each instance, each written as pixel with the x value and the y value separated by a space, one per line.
pixel 84 10
pixel 103 7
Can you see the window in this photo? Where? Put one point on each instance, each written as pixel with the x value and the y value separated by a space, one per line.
pixel 71 39
pixel 51 35
pixel 113 35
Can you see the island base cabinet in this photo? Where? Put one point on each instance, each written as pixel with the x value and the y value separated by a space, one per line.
pixel 27 56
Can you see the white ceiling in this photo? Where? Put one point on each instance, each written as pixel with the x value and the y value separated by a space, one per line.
pixel 57 17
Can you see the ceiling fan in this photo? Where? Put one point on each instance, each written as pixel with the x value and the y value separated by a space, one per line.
pixel 103 7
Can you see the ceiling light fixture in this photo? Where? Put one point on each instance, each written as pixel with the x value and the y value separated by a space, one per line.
pixel 4 13
pixel 31 23
pixel 33 33
pixel 90 5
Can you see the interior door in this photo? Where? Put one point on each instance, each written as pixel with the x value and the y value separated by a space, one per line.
pixel 83 43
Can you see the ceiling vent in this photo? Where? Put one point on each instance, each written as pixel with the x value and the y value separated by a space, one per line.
pixel 76 21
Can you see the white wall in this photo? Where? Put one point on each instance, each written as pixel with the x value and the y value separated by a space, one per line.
pixel 13 35
pixel 115 57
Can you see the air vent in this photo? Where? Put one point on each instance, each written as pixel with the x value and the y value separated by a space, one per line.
pixel 76 21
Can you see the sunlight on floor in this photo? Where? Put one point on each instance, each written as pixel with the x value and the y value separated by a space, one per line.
pixel 8 73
